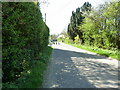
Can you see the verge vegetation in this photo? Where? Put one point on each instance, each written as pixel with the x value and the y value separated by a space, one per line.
pixel 25 45
pixel 95 29
pixel 108 53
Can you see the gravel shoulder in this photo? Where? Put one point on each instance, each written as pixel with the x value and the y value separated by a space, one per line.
pixel 71 67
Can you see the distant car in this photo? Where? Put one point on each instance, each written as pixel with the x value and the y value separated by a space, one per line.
pixel 55 41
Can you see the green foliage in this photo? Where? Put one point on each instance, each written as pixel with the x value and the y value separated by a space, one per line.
pixel 77 40
pixel 9 85
pixel 76 20
pixel 105 52
pixel 86 7
pixel 68 40
pixel 32 78
pixel 99 27
pixel 25 36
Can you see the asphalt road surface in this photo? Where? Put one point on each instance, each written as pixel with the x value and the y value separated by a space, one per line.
pixel 71 67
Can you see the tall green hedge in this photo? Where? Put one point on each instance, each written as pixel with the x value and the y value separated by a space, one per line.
pixel 24 37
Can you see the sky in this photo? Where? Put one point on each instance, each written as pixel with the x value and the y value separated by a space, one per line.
pixel 58 12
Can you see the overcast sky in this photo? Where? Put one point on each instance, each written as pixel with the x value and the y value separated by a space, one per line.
pixel 58 12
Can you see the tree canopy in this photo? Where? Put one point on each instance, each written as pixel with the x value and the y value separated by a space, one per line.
pixel 97 27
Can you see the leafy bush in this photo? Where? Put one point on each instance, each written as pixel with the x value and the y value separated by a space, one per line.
pixel 67 40
pixel 77 40
pixel 25 36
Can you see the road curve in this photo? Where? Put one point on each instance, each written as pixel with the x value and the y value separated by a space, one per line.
pixel 71 67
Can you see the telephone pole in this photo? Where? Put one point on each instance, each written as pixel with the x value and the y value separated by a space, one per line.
pixel 44 4
pixel 45 17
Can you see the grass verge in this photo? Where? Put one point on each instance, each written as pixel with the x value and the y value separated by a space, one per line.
pixel 109 53
pixel 32 78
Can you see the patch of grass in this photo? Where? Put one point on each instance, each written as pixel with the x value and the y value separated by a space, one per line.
pixel 36 74
pixel 33 78
pixel 109 53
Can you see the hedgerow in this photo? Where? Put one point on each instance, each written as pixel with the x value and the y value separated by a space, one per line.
pixel 24 37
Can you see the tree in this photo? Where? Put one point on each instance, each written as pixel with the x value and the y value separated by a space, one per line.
pixel 100 27
pixel 97 27
pixel 76 20
pixel 86 8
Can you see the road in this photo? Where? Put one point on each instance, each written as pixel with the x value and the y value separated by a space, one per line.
pixel 71 67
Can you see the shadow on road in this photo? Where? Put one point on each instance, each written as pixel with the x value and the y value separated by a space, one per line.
pixel 77 70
